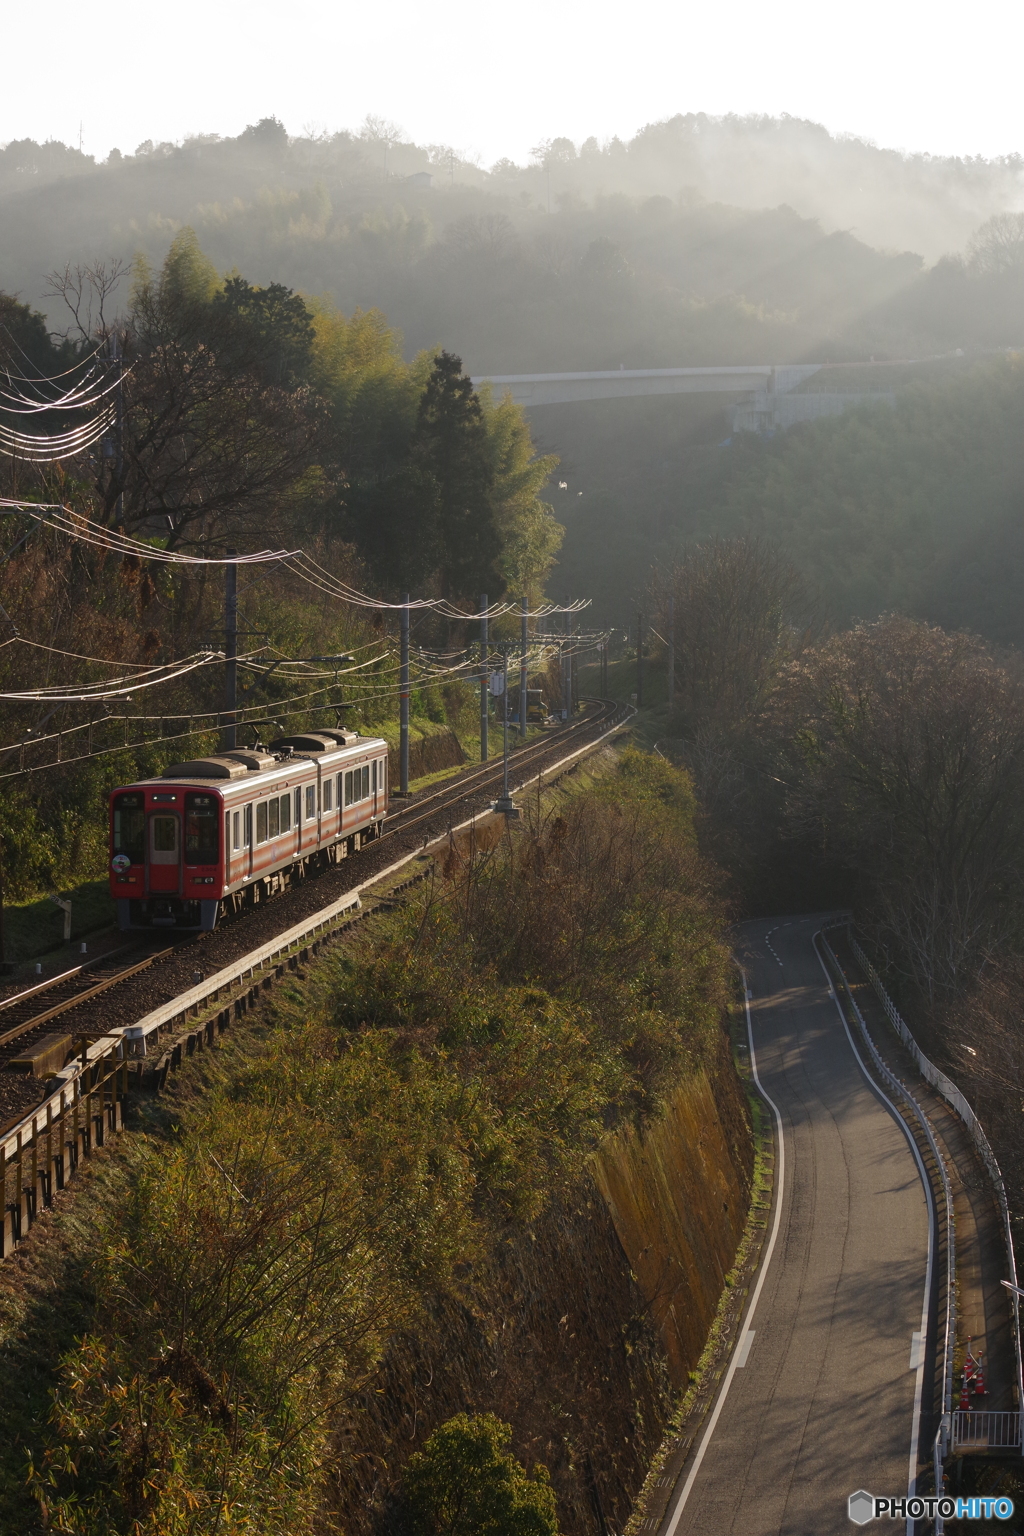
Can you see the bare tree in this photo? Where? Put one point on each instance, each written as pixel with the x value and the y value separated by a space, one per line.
pixel 906 759
pixel 738 612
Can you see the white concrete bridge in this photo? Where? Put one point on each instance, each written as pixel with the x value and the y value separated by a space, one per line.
pixel 767 402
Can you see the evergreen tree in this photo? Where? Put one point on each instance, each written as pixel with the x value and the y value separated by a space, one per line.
pixel 451 444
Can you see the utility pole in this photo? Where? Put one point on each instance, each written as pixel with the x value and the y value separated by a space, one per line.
pixel 523 680
pixel 484 679
pixel 671 652
pixel 639 660
pixel 574 662
pixel 5 969
pixel 506 804
pixel 567 670
pixel 403 695
pixel 230 649
pixel 116 449
pixel 604 669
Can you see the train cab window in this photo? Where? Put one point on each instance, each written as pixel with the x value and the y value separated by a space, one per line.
pixel 163 839
pixel 286 812
pixel 310 802
pixel 236 831
pixel 328 793
pixel 202 826
pixel 261 822
pixel 130 827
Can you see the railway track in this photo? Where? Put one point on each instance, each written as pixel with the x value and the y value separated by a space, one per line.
pixel 41 1025
pixel 55 1111
pixel 474 781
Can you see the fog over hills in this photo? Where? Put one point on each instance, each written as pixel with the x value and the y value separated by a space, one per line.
pixel 700 241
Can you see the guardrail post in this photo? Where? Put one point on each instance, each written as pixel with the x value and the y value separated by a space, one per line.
pixel 7 1229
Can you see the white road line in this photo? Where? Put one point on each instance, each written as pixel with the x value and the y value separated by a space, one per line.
pixel 780 1190
pixel 916 1350
pixel 768 941
pixel 915 1435
pixel 743 1352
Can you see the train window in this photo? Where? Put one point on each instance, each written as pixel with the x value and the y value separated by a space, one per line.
pixel 274 816
pixel 328 793
pixel 366 782
pixel 310 802
pixel 236 830
pixel 163 839
pixel 286 812
pixel 341 791
pixel 130 827
pixel 349 797
pixel 373 776
pixel 202 828
pixel 298 806
pixel 247 839
pixel 261 822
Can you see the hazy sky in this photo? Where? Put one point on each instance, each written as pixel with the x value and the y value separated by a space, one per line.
pixel 494 80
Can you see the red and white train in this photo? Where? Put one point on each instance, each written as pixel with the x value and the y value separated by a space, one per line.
pixel 215 835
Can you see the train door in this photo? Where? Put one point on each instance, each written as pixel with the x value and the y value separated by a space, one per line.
pixel 163 853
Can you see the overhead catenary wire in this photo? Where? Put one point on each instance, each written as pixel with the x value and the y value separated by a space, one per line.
pixel 86 394
pixel 100 691
pixel 42 378
pixel 298 561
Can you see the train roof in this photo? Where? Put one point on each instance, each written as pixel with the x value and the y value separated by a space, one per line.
pixel 228 770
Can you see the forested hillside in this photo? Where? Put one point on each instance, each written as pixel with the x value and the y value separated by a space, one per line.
pixel 915 508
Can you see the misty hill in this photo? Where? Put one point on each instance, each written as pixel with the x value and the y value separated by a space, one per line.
pixel 699 241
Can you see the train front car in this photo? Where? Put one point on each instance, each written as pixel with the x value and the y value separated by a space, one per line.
pixel 223 832
pixel 166 859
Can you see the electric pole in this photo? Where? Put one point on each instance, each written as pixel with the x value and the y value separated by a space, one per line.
pixel 484 679
pixel 506 804
pixel 403 694
pixel 230 649
pixel 114 349
pixel 671 652
pixel 523 680
pixel 639 660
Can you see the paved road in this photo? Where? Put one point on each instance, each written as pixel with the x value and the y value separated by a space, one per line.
pixel 824 1403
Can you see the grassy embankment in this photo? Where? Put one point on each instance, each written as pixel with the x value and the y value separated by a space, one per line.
pixel 195 1350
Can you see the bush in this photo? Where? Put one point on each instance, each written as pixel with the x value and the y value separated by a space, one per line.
pixel 465 1482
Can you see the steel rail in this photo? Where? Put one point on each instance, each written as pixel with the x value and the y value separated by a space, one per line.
pixel 400 820
pixel 77 998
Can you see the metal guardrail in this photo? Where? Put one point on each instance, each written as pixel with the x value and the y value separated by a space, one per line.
pixel 43 1151
pixel 980 1430
pixel 956 1100
pixel 940 1446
